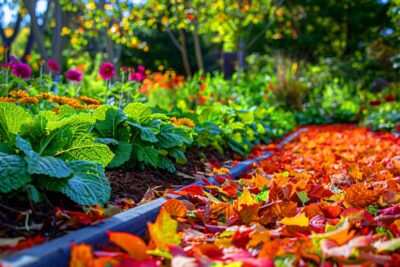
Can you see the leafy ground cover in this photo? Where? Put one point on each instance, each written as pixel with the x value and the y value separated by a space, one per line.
pixel 328 198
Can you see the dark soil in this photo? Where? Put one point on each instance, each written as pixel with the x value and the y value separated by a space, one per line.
pixel 149 183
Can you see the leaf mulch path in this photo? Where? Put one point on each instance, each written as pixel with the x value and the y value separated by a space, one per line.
pixel 328 198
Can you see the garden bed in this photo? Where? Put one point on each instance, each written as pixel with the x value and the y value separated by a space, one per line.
pixel 130 187
pixel 133 220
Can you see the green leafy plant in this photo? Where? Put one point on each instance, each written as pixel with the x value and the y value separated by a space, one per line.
pixel 49 152
pixel 140 137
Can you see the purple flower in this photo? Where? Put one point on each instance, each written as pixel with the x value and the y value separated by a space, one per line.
pixel 74 75
pixel 141 69
pixel 53 66
pixel 21 70
pixel 136 76
pixel 107 71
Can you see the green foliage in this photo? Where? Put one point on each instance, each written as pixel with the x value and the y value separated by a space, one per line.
pixel 140 137
pixel 88 185
pixel 11 119
pixel 13 173
pixel 383 117
pixel 42 156
pixel 49 166
pixel 82 181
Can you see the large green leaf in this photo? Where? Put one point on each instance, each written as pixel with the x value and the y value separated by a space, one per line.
pixel 146 134
pixel 56 140
pixel 108 126
pixel 122 154
pixel 100 112
pixel 11 119
pixel 171 136
pixel 178 155
pixel 83 147
pixel 35 128
pixel 147 155
pixel 13 173
pixel 167 164
pixel 88 186
pixel 37 164
pixel 137 112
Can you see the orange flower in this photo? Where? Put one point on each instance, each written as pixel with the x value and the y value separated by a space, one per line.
pixel 28 100
pixel 19 94
pixel 7 99
pixel 201 99
pixel 44 96
pixel 183 122
pixel 89 100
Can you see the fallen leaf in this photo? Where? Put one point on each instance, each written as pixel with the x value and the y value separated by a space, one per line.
pixel 299 220
pixel 175 208
pixel 133 245
pixel 163 231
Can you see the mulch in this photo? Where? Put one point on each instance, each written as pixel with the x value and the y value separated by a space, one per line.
pixel 136 184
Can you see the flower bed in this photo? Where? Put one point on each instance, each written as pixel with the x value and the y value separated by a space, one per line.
pixel 329 197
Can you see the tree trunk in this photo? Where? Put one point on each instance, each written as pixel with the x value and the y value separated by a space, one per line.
pixel 29 44
pixel 37 34
pixel 7 41
pixel 56 38
pixel 108 44
pixel 197 50
pixel 184 54
pixel 241 55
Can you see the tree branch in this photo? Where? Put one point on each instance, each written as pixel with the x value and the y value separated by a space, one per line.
pixel 173 39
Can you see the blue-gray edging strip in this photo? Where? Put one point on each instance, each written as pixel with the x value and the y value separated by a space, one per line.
pixel 56 252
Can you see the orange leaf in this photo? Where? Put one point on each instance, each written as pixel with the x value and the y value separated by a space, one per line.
pixel 283 209
pixel 358 196
pixel 81 256
pixel 258 237
pixel 175 208
pixel 354 172
pixel 260 181
pixel 132 244
pixel 249 213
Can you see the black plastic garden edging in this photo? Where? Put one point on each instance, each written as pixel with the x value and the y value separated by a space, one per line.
pixel 56 252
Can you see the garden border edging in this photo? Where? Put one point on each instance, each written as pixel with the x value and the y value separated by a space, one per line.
pixel 56 252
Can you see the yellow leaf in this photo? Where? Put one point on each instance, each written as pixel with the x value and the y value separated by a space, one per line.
pixel 245 199
pixel 163 231
pixel 299 220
